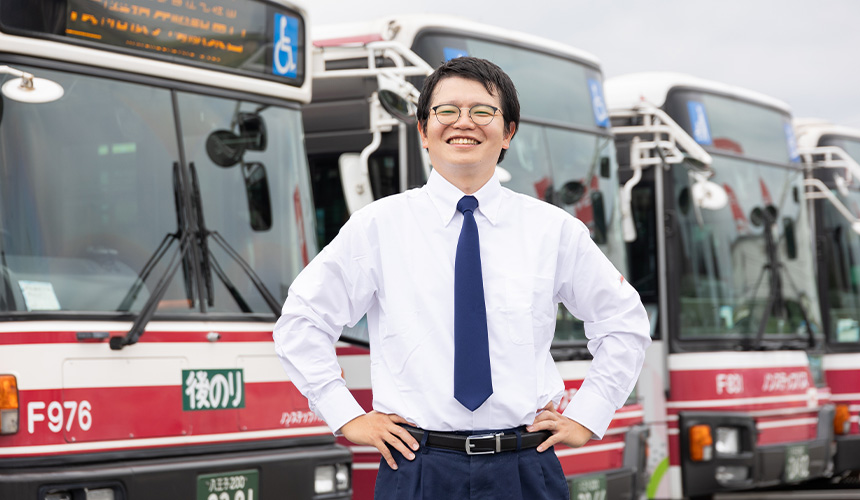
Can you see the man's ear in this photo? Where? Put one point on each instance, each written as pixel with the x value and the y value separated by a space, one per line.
pixel 424 141
pixel 509 134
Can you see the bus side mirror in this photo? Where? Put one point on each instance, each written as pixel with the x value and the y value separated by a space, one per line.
pixel 571 192
pixel 604 167
pixel 257 191
pixel 790 238
pixel 398 97
pixel 252 130
pixel 599 209
pixel 224 148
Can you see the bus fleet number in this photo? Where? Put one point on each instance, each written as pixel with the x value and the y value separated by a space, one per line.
pixel 57 414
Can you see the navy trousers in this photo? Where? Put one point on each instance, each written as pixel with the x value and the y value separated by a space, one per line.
pixel 439 474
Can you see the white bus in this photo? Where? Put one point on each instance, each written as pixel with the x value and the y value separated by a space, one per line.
pixel 832 155
pixel 563 153
pixel 155 205
pixel 719 245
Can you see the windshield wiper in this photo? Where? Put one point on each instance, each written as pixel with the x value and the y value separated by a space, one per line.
pixel 775 300
pixel 183 236
pixel 209 264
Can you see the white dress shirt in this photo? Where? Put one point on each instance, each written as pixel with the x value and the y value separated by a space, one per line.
pixel 394 261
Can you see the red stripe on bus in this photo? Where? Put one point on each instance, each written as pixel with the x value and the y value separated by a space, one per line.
pixel 351 40
pixel 25 338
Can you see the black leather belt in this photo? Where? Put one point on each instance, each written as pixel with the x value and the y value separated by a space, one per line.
pixel 479 444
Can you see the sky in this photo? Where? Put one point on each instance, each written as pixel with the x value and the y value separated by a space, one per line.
pixel 803 52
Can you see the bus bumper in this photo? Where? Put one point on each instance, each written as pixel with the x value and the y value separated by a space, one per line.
pixel 627 482
pixel 754 466
pixel 774 462
pixel 847 457
pixel 280 473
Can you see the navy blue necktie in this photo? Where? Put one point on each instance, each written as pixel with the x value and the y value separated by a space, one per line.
pixel 472 380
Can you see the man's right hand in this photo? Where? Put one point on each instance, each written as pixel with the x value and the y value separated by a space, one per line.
pixel 378 430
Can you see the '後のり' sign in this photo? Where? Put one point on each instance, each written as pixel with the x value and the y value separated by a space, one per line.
pixel 212 389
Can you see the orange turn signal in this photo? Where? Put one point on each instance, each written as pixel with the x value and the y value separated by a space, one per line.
pixel 8 392
pixel 701 443
pixel 842 420
pixel 8 404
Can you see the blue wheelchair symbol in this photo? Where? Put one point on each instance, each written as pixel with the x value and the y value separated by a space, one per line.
pixel 793 153
pixel 286 46
pixel 699 123
pixel 598 103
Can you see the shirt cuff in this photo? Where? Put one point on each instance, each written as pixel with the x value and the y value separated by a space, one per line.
pixel 590 410
pixel 337 408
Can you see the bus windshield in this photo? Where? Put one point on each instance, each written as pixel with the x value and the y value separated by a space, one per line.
pixel 560 94
pixel 92 184
pixel 563 152
pixel 841 260
pixel 744 268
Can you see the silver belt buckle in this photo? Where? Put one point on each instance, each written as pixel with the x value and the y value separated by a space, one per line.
pixel 470 445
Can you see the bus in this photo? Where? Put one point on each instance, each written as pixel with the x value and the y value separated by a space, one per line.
pixel 832 156
pixel 563 154
pixel 719 246
pixel 155 205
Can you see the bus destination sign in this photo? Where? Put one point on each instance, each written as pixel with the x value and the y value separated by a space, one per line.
pixel 237 34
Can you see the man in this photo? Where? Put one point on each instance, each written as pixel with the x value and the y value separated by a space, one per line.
pixel 460 281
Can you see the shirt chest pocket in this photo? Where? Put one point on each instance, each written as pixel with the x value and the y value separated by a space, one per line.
pixel 528 308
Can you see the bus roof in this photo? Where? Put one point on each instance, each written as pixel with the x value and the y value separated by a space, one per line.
pixel 810 130
pixel 404 28
pixel 626 91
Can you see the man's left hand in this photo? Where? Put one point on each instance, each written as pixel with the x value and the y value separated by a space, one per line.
pixel 564 430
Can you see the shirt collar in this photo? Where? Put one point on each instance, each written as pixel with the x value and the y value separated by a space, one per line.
pixel 445 196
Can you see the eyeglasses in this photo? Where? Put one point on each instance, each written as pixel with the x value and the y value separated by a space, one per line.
pixel 481 114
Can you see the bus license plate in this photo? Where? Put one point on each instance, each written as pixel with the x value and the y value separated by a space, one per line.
pixel 239 485
pixel 796 463
pixel 588 488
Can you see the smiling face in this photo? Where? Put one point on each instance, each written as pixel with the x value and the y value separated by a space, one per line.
pixel 464 153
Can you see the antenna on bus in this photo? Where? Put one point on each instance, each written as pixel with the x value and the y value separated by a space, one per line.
pixel 27 88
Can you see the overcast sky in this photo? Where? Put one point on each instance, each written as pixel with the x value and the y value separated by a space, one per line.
pixel 804 52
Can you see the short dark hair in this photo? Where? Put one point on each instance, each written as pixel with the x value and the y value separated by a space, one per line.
pixel 496 81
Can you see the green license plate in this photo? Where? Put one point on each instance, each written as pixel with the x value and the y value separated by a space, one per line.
pixel 238 485
pixel 796 463
pixel 588 488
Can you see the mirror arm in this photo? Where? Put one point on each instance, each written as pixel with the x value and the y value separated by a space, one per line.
pixel 364 157
pixel 628 226
pixel 833 157
pixel 817 190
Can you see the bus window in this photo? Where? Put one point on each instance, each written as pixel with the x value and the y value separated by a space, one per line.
pixel 81 218
pixel 278 253
pixel 734 126
pixel 528 163
pixel 726 283
pixel 562 80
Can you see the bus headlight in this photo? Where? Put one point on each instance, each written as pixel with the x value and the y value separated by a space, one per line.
pixel 100 494
pixel 324 479
pixel 341 477
pixel 728 441
pixel 330 478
